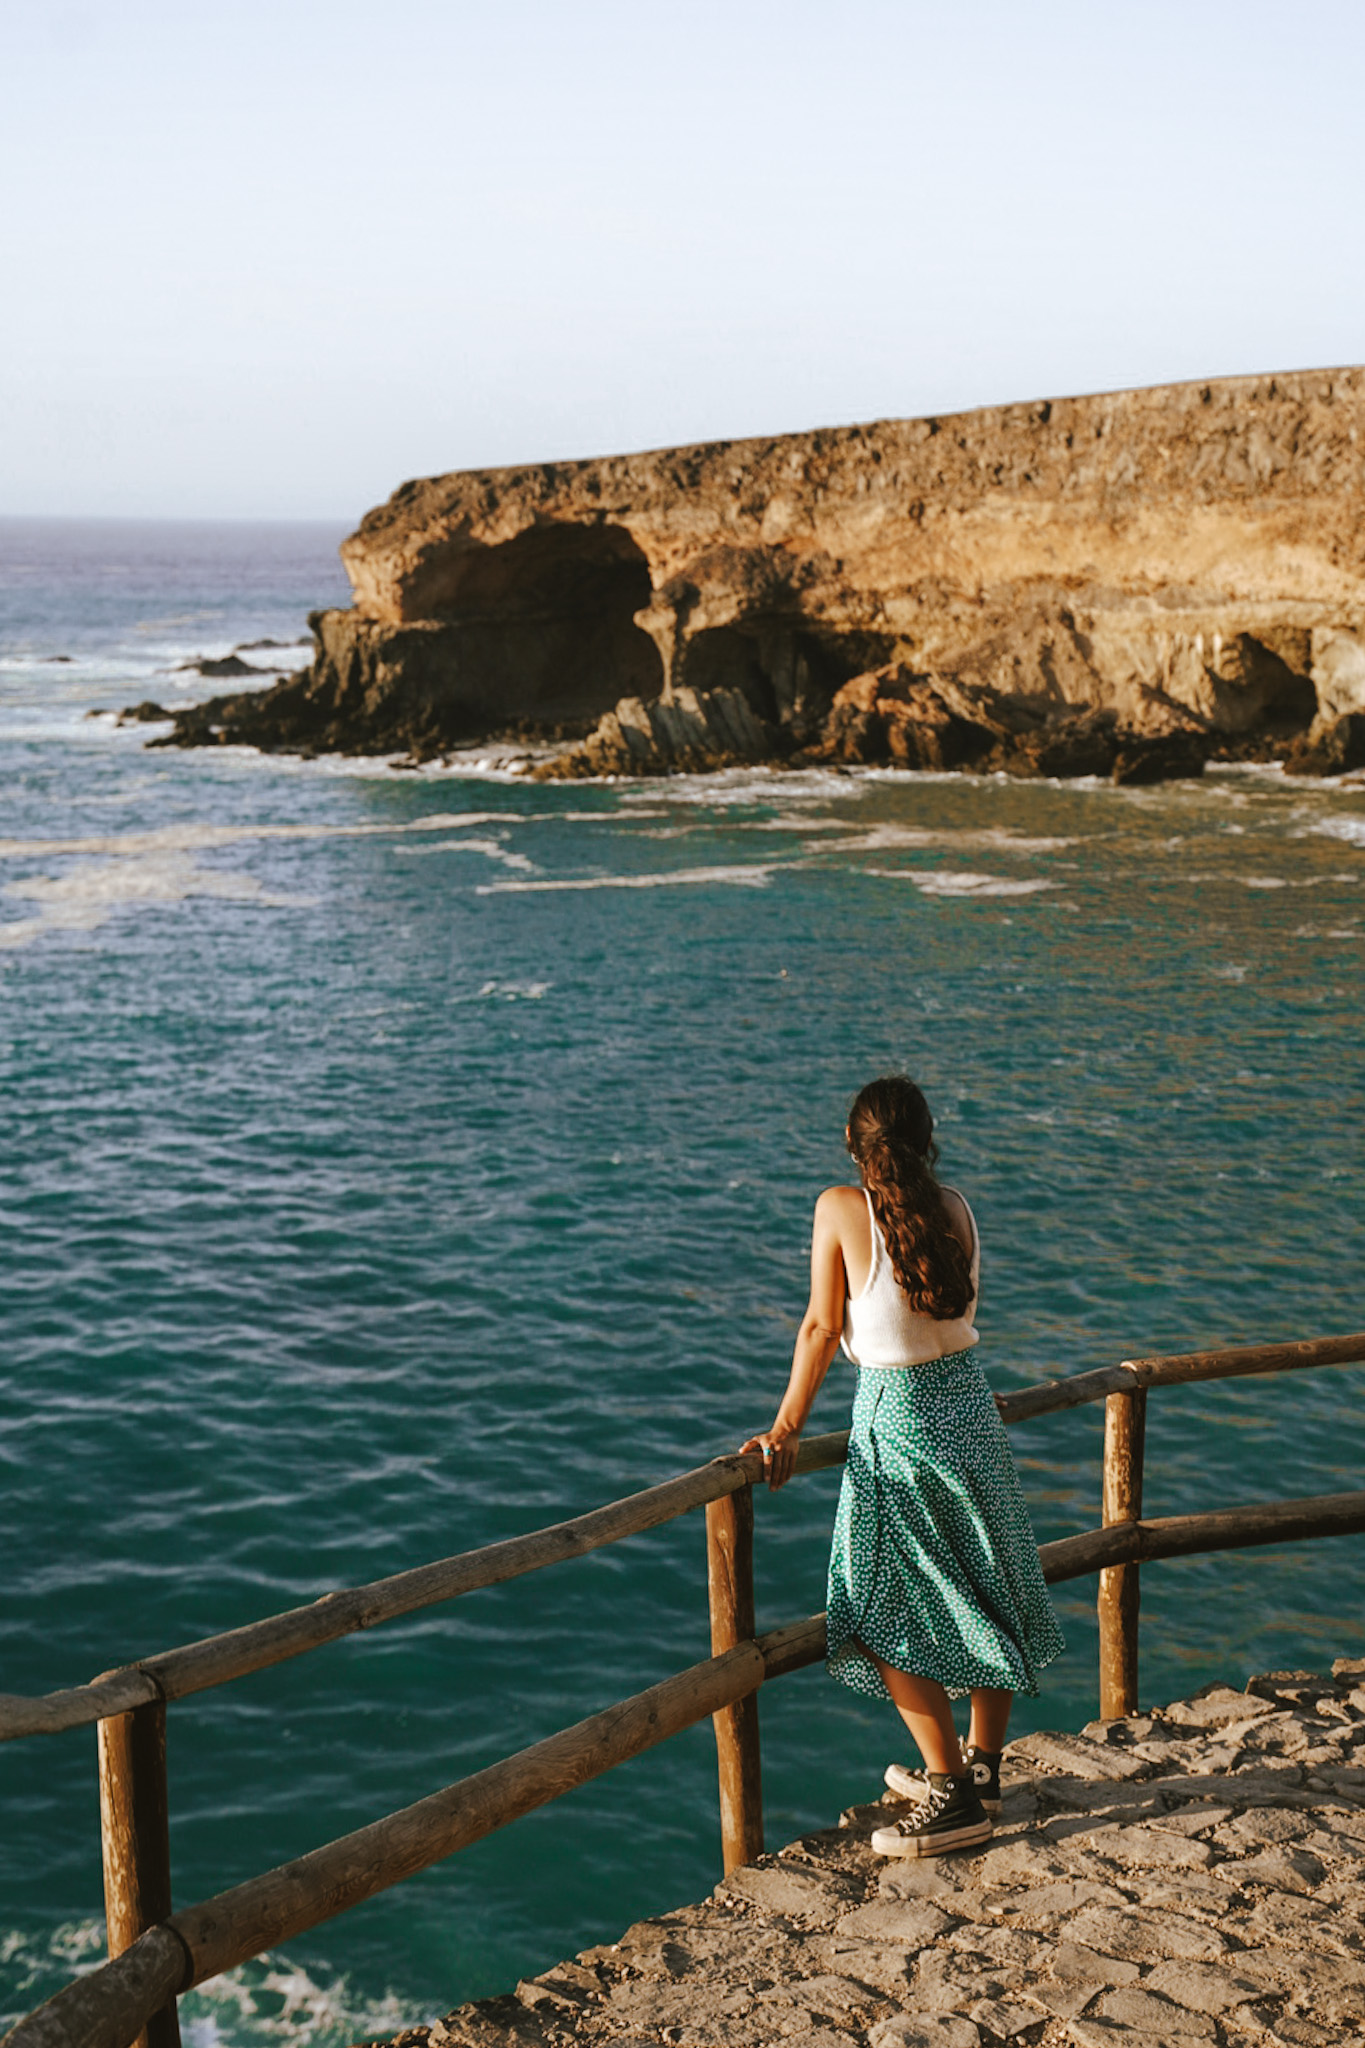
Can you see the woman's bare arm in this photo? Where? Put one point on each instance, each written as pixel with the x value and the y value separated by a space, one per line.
pixel 818 1338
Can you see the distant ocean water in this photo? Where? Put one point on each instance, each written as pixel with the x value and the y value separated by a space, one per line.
pixel 393 1163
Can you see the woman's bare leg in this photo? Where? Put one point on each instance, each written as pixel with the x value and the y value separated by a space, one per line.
pixel 990 1718
pixel 924 1707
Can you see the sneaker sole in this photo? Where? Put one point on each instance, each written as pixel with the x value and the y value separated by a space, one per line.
pixel 965 1837
pixel 906 1785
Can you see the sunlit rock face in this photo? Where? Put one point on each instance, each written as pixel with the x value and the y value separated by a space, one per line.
pixel 1189 554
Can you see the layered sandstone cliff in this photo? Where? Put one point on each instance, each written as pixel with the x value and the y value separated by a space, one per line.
pixel 1186 559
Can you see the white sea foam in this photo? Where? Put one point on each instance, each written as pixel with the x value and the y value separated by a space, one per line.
pixel 734 786
pixel 977 885
pixel 1297 882
pixel 89 896
pixel 196 838
pixel 1351 829
pixel 697 826
pixel 996 838
pixel 120 871
pixel 73 1947
pixel 601 818
pixel 491 849
pixel 1001 837
pixel 738 877
pixel 275 1999
pixel 961 882
pixel 272 1999
pixel 796 823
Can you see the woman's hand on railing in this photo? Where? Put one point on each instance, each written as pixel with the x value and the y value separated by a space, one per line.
pixel 779 1448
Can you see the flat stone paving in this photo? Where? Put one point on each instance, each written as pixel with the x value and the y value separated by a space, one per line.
pixel 1192 1875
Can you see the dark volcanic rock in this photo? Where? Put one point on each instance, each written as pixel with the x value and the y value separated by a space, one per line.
pixel 1329 749
pixel 894 715
pixel 219 665
pixel 684 731
pixel 393 716
pixel 1261 684
pixel 1160 757
pixel 891 717
pixel 145 713
pixel 393 707
pixel 421 688
pixel 1085 743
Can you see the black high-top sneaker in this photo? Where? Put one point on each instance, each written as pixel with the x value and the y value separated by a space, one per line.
pixel 983 1767
pixel 950 1816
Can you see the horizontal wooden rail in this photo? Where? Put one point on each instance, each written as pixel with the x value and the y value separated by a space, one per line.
pixel 1175 1369
pixel 196 1667
pixel 1178 1369
pixel 1281 1521
pixel 110 2005
pixel 1051 1396
pixel 172 1674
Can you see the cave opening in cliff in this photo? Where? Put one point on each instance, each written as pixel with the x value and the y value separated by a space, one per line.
pixel 549 618
pixel 788 675
pixel 725 658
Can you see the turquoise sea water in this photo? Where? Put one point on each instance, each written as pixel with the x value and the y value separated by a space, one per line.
pixel 397 1162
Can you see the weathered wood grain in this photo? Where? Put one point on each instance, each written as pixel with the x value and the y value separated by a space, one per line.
pixel 793 1646
pixel 1175 1368
pixel 1284 1521
pixel 108 2007
pixel 730 1593
pixel 135 1841
pixel 1125 1421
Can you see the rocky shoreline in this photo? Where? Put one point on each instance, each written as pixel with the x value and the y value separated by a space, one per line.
pixel 890 718
pixel 895 718
pixel 1195 1874
pixel 1126 585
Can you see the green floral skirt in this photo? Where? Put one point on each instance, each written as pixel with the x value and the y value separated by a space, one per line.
pixel 934 1567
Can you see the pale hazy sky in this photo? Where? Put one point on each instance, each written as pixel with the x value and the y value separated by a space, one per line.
pixel 272 259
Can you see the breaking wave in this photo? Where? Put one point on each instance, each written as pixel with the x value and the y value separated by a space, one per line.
pixel 273 1999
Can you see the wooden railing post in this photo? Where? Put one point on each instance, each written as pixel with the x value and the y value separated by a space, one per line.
pixel 135 1838
pixel 730 1587
pixel 1125 1426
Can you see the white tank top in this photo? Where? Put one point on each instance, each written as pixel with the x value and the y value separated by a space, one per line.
pixel 881 1328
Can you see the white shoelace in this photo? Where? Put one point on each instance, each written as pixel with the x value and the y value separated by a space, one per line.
pixel 933 1806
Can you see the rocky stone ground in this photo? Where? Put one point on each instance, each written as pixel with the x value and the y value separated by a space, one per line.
pixel 1191 1875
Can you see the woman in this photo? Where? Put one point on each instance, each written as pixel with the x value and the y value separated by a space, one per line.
pixel 934 1582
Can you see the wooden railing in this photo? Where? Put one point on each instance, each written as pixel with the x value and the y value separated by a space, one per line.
pixel 157 1954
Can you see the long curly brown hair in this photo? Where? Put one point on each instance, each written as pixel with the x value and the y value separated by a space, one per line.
pixel 891 1138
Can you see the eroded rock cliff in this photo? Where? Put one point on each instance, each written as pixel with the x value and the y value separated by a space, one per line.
pixel 1186 559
